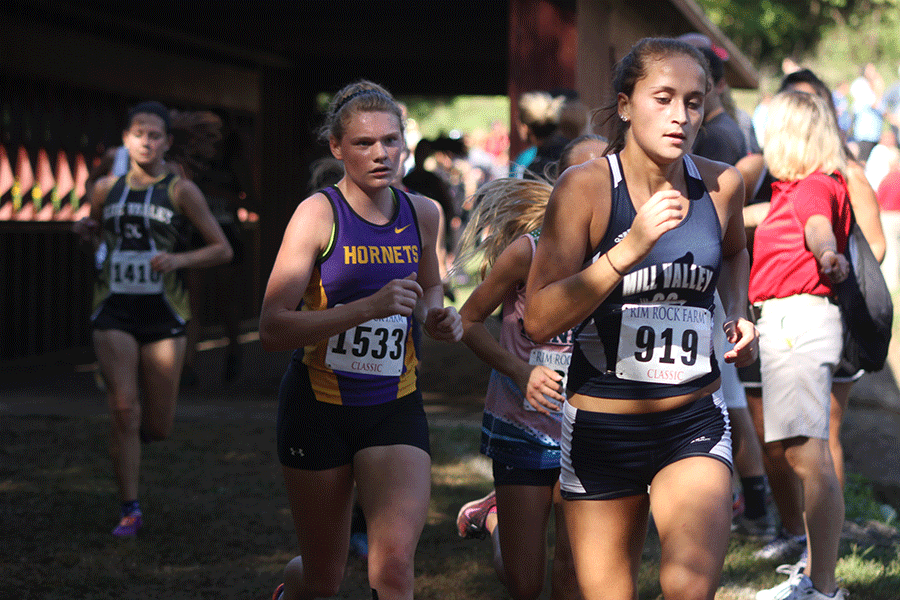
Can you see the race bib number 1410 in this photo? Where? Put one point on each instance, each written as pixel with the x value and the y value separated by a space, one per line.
pixel 130 273
pixel 664 343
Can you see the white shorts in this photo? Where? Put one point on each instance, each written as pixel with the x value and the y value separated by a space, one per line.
pixel 800 340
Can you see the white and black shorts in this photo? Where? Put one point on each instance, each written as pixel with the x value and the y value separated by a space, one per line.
pixel 607 456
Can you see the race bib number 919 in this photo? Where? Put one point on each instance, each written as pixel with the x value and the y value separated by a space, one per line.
pixel 376 347
pixel 664 343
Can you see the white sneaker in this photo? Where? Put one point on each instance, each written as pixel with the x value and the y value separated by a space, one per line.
pixel 759 528
pixel 786 588
pixel 808 592
pixel 802 589
pixel 804 558
pixel 814 594
pixel 782 547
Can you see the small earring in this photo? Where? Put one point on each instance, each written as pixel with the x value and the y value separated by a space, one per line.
pixel 624 118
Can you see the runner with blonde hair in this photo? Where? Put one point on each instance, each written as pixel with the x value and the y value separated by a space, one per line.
pixel 521 424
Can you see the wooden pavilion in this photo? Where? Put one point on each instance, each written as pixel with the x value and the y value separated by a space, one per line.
pixel 70 69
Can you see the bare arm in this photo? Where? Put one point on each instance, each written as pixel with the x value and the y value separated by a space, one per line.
pixel 281 325
pixel 508 271
pixel 88 228
pixel 752 168
pixel 726 188
pixel 439 322
pixel 189 200
pixel 100 170
pixel 560 294
pixel 821 242
pixel 735 272
pixel 866 209
pixel 754 214
pixel 728 196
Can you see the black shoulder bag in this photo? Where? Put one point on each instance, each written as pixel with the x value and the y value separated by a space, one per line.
pixel 867 309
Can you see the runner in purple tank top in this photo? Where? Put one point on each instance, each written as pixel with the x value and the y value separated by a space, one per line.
pixel 356 265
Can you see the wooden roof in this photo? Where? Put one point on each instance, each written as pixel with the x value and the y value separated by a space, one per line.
pixel 431 47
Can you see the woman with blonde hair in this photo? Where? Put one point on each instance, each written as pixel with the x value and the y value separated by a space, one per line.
pixel 539 114
pixel 790 541
pixel 797 264
pixel 521 425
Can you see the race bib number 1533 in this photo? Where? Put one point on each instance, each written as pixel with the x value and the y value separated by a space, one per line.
pixel 376 347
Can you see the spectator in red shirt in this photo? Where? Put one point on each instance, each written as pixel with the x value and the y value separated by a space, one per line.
pixel 889 198
pixel 797 262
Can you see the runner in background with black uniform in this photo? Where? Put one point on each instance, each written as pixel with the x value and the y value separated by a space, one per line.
pixel 140 300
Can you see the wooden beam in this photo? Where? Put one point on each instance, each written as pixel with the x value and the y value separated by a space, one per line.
pixel 543 49
pixel 593 75
pixel 44 52
pixel 745 74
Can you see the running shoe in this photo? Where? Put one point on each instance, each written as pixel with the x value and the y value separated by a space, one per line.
pixel 129 525
pixel 802 589
pixel 783 547
pixel 796 583
pixel 279 592
pixel 814 594
pixel 804 558
pixel 780 591
pixel 759 528
pixel 472 516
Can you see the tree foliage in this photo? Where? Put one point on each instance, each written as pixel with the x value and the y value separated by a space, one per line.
pixel 768 31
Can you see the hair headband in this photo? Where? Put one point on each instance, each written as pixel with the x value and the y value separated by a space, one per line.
pixel 356 94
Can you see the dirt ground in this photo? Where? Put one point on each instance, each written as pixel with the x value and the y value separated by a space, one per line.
pixel 42 473
pixel 453 381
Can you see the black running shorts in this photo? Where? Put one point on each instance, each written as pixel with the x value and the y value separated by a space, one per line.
pixel 149 318
pixel 315 435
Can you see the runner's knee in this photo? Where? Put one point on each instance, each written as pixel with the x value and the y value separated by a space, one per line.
pixel 683 582
pixel 395 572
pixel 126 417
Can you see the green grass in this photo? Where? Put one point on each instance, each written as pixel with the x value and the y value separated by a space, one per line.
pixel 218 526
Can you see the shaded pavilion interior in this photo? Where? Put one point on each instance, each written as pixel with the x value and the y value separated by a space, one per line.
pixel 70 69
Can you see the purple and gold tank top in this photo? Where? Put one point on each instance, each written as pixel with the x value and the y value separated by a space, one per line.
pixel 374 362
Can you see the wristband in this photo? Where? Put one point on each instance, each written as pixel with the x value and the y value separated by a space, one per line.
pixel 618 272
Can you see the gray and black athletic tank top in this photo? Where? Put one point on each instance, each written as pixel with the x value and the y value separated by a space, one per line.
pixel 137 224
pixel 651 337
